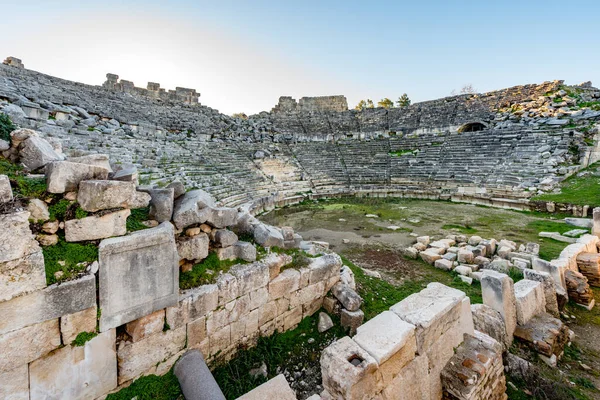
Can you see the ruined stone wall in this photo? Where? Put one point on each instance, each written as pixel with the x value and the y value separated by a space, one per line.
pixel 311 104
pixel 153 91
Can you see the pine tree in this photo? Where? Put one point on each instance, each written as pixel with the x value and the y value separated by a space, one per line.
pixel 361 104
pixel 385 103
pixel 403 101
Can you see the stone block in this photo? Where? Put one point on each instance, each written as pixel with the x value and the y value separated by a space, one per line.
pixel 549 287
pixel 385 335
pixel 424 240
pixel 556 269
pixel 6 194
pixel 161 203
pixel 350 300
pixel 250 276
pixel 590 242
pixel 38 210
pixel 36 152
pixel 465 256
pixel 137 358
pixel 444 263
pixel 324 267
pixel 530 300
pixel 146 325
pixel 139 274
pixel 268 236
pixel 196 333
pixel 220 340
pixel 596 222
pixel 192 208
pixel 16 239
pixel 48 304
pixel 287 282
pixel 178 187
pixel 65 176
pixel 464 270
pixel 490 322
pixel 27 344
pixel 245 251
pixel 222 217
pixel 578 289
pixel 193 304
pixel 223 237
pixel 411 383
pixel 307 295
pixel 73 324
pixel 193 248
pixel 14 384
pixel 104 195
pixel 349 372
pixel 351 320
pixel 23 275
pixel 97 227
pixel 545 334
pixel 72 372
pixel 430 256
pixel 275 388
pixel 589 266
pixel 226 253
pixel 98 160
pixel 498 292
pixel 432 311
pixel 228 288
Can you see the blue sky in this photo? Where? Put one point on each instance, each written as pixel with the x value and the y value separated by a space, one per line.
pixel 242 55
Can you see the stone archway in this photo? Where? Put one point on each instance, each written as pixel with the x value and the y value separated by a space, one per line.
pixel 472 127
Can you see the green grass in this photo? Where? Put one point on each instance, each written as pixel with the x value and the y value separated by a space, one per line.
pixel 22 185
pixel 83 337
pixel 58 210
pixel 400 153
pixel 206 272
pixel 286 350
pixel 466 229
pixel 300 258
pixel 138 215
pixel 579 190
pixel 6 127
pixel 69 253
pixel 150 387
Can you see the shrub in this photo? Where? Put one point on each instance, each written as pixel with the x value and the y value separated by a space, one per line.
pixel 83 337
pixel 6 127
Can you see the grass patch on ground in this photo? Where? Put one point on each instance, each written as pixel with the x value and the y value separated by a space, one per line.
pixel 300 258
pixel 150 387
pixel 466 229
pixel 578 189
pixel 69 254
pixel 134 221
pixel 22 185
pixel 206 271
pixel 292 350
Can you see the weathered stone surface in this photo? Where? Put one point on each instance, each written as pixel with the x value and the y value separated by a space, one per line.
pixel 73 324
pixel 97 160
pixel 161 203
pixel 351 320
pixel 226 253
pixel 194 304
pixel 137 358
pixel 347 296
pixel 589 266
pixel 103 195
pixel 14 384
pixel 411 383
pixel 578 289
pixel 36 152
pixel 25 345
pixel 530 300
pixel 275 388
pixel 287 282
pixel 97 227
pixel 545 334
pixel 178 189
pixel 38 210
pixel 580 222
pixel 430 256
pixel 490 322
pixel 325 322
pixel 52 302
pixel 549 287
pixel 497 290
pixel 384 335
pixel 193 248
pixel 433 311
pixel 250 276
pixel 139 274
pixel 146 326
pixel 5 189
pixel 325 268
pixel 192 208
pixel 16 239
pixel 556 269
pixel 73 372
pixel 65 176
pixel 223 237
pixel 127 173
pixel 349 372
pixel 268 236
pixel 245 251
pixel 444 263
pixel 22 276
pixel 222 217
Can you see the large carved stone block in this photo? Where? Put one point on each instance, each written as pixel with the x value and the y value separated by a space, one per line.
pixel 498 292
pixel 139 274
pixel 28 344
pixel 14 384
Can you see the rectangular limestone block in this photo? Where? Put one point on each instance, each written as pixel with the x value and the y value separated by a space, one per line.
pixel 139 274
pixel 47 304
pixel 14 384
pixel 589 266
pixel 21 276
pixel 411 383
pixel 137 358
pixel 193 304
pixel 556 269
pixel 349 372
pixel 146 326
pixel 16 239
pixel 322 268
pixel 432 311
pixel 28 344
pixel 97 227
pixel 590 242
pixel 76 372
pixel 545 334
pixel 250 276
pixel 73 324
pixel 276 388
pixel 530 300
pixel 384 335
pixel 196 333
pixel 64 176
pixel 287 282
pixel 498 292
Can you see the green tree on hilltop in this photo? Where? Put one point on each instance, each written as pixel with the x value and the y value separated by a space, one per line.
pixel 385 103
pixel 403 101
pixel 364 104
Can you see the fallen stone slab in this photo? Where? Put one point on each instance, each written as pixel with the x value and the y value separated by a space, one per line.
pixel 578 289
pixel 192 208
pixel 347 296
pixel 178 188
pixel 490 322
pixel 97 227
pixel 276 388
pixel 127 174
pixel 36 152
pixel 72 372
pixel 586 223
pixel 65 176
pixel 47 304
pixel 557 236
pixel 97 160
pixel 430 256
pixel 268 236
pixel 139 274
pixel 498 292
pixel 545 334
pixel 193 248
pixel 161 203
pixel 104 195
pixel 530 300
pixel 574 233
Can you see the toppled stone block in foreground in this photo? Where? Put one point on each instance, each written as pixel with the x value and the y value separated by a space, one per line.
pixel 104 195
pixel 139 274
pixel 578 289
pixel 97 227
pixel 545 334
pixel 276 388
pixel 65 176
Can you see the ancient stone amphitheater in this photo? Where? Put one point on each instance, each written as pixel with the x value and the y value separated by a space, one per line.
pixel 90 331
